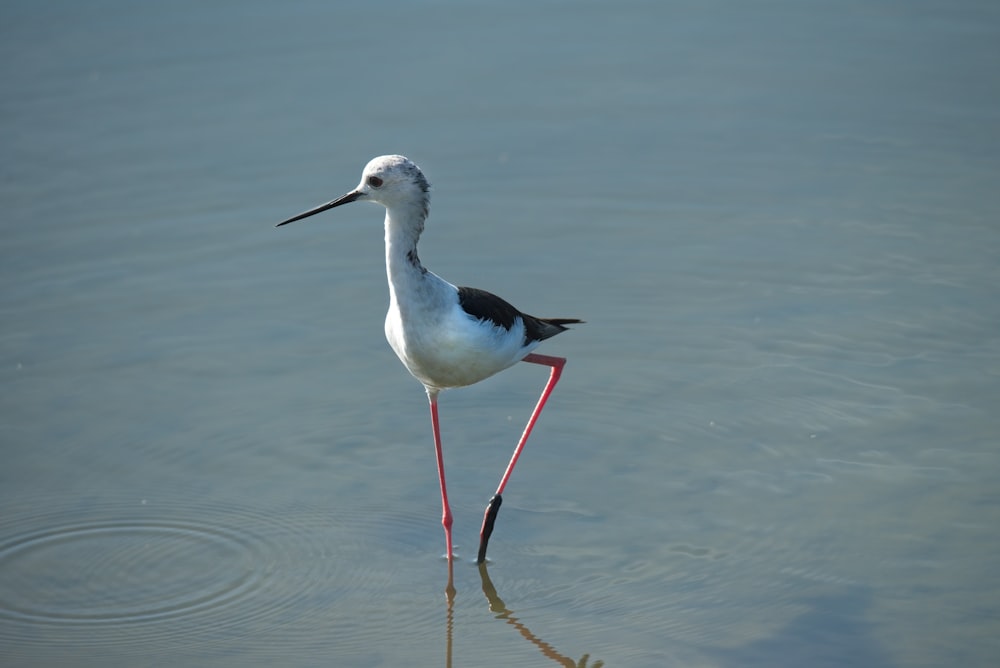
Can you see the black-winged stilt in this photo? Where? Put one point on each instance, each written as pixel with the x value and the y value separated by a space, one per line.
pixel 446 336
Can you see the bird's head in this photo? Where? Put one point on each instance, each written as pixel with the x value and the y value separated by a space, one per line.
pixel 393 181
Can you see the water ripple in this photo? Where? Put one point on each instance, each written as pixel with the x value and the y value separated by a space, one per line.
pixel 102 572
pixel 137 576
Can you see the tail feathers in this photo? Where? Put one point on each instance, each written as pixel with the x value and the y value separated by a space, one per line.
pixel 539 329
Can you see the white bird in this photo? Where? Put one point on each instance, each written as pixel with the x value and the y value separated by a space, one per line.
pixel 446 336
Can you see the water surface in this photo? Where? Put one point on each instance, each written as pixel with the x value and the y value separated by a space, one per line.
pixel 774 443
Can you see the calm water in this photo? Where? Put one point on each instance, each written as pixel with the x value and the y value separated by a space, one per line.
pixel 775 441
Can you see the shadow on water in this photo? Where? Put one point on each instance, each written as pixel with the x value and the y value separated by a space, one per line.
pixel 501 611
pixel 833 632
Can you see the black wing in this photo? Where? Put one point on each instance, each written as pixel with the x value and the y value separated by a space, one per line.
pixel 487 306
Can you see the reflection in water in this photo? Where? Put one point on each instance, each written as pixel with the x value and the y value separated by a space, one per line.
pixel 449 593
pixel 502 612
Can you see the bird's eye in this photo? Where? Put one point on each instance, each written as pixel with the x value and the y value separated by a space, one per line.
pixel 374 181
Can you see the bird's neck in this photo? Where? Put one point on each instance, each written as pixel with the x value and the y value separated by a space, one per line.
pixel 409 282
pixel 401 236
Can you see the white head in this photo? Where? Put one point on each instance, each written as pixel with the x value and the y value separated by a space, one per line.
pixel 393 181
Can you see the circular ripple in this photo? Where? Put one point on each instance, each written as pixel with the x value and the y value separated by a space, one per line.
pixel 119 572
pixel 126 577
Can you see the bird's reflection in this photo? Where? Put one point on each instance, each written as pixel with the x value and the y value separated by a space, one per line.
pixel 501 611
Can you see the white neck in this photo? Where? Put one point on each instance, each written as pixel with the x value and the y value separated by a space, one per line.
pixel 410 284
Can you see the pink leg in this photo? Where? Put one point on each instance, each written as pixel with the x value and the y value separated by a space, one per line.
pixel 489 518
pixel 445 508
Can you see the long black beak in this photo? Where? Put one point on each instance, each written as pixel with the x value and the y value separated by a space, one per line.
pixel 349 197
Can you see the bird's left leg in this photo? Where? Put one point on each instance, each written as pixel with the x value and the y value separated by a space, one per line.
pixel 489 518
pixel 445 507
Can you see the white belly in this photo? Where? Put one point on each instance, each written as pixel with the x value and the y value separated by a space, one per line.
pixel 453 350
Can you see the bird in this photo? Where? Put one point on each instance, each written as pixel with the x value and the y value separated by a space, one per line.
pixel 445 335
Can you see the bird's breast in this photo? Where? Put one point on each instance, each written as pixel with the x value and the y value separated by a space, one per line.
pixel 448 348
